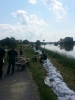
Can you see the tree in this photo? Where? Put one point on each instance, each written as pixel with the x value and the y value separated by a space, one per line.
pixel 25 42
pixel 38 43
pixel 20 41
pixel 8 42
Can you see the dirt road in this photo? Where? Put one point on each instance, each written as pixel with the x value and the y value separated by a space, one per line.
pixel 18 86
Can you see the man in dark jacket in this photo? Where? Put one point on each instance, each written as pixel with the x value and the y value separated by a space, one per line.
pixel 44 55
pixel 11 57
pixel 2 53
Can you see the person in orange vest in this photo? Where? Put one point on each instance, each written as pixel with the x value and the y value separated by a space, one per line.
pixel 20 50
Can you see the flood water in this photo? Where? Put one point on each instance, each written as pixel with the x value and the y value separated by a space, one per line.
pixel 68 50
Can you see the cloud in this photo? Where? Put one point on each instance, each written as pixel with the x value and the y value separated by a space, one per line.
pixel 56 7
pixel 32 1
pixel 31 28
pixel 8 30
pixel 27 20
pixel 31 33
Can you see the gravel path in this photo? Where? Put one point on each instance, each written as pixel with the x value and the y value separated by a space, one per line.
pixel 18 86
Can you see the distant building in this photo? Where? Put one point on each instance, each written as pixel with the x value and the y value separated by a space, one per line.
pixel 61 40
pixel 67 40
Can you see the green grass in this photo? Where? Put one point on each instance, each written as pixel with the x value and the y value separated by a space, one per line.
pixel 62 59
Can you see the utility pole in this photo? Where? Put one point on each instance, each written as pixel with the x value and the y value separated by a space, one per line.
pixel 44 43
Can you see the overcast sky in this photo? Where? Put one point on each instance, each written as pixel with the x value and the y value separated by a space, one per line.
pixel 37 19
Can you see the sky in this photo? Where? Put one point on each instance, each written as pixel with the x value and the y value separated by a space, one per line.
pixel 34 20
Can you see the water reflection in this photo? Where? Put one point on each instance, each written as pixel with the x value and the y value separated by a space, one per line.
pixel 67 47
pixel 68 50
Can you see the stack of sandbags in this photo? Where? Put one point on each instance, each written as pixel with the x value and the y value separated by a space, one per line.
pixel 27 59
pixel 40 52
pixel 35 58
pixel 55 80
pixel 23 59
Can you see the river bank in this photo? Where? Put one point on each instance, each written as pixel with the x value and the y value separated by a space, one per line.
pixel 62 63
pixel 65 65
pixel 38 73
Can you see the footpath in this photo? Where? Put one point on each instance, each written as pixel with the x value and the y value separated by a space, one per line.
pixel 19 86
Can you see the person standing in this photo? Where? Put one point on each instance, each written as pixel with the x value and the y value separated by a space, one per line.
pixel 44 55
pixel 36 47
pixel 2 53
pixel 20 50
pixel 11 58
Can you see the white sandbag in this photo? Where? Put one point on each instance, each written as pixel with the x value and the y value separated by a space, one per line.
pixel 48 62
pixel 59 88
pixel 53 71
pixel 60 92
pixel 47 82
pixel 53 84
pixel 57 91
pixel 45 62
pixel 59 75
pixel 63 85
pixel 58 82
pixel 53 76
pixel 72 97
pixel 57 79
pixel 39 52
pixel 69 92
pixel 63 98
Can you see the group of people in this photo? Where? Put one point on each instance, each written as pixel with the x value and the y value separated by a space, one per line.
pixel 12 55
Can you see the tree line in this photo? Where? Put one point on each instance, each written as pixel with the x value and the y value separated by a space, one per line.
pixel 12 41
